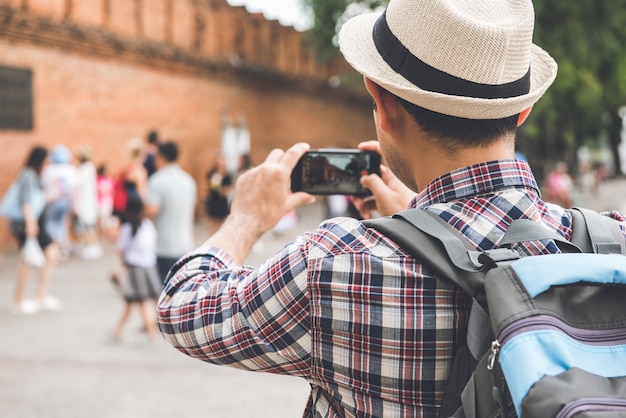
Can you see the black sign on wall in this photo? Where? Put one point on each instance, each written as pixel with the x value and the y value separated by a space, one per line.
pixel 16 98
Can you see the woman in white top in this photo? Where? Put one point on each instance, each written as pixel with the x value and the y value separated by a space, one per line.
pixel 137 247
pixel 86 205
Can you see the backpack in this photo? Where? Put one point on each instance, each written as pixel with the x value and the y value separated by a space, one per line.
pixel 120 193
pixel 546 335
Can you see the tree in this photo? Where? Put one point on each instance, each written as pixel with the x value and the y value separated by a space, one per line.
pixel 586 40
pixel 585 37
pixel 328 16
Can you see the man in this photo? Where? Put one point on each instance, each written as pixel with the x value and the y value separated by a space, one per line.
pixel 344 307
pixel 171 203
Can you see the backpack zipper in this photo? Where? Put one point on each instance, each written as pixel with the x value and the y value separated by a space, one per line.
pixel 592 404
pixel 495 349
pixel 546 322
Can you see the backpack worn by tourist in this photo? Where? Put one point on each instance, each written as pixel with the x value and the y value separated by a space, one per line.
pixel 546 334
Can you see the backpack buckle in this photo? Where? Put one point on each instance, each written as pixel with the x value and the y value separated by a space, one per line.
pixel 490 258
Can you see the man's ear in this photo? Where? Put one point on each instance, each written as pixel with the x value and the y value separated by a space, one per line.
pixel 386 105
pixel 523 116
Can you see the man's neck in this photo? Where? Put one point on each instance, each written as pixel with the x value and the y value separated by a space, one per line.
pixel 438 161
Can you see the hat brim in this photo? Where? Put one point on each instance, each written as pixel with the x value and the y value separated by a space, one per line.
pixel 357 46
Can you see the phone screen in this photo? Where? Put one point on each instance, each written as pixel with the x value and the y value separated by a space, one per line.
pixel 335 171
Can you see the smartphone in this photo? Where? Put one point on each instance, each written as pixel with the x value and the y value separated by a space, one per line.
pixel 334 171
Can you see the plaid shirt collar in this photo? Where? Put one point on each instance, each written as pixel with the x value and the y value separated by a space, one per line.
pixel 477 180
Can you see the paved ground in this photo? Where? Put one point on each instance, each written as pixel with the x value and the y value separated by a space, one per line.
pixel 65 365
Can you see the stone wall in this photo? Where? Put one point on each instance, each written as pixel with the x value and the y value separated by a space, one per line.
pixel 108 70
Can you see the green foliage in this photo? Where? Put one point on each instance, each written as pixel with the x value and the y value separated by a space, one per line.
pixel 326 14
pixel 327 19
pixel 587 38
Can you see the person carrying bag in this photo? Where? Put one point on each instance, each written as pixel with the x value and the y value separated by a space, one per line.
pixel 16 196
pixel 24 205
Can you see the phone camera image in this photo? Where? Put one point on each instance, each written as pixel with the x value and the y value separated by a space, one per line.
pixel 334 172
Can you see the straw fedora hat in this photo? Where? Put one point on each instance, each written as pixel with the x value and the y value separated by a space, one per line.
pixel 464 58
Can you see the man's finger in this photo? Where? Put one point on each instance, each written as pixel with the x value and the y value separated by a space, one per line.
pixel 293 154
pixel 370 146
pixel 387 175
pixel 373 182
pixel 298 199
pixel 274 156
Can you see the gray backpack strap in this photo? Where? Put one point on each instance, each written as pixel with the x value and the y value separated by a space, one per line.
pixel 440 246
pixel 524 230
pixel 595 233
pixel 443 250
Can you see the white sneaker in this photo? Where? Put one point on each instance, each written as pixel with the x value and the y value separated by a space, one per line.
pixel 50 303
pixel 91 252
pixel 26 307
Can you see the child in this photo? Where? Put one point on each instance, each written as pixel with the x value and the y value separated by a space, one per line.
pixel 137 246
pixel 104 183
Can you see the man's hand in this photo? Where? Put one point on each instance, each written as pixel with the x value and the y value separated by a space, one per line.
pixel 390 195
pixel 262 194
pixel 261 198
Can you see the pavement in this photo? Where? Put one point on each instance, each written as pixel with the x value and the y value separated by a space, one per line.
pixel 66 365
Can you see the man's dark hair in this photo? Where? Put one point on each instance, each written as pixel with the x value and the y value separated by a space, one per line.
pixel 169 151
pixel 455 132
pixel 36 158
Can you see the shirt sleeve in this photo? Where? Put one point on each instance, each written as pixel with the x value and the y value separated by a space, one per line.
pixel 154 194
pixel 254 319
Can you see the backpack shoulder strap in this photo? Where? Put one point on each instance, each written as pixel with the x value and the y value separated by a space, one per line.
pixel 427 239
pixel 440 246
pixel 595 233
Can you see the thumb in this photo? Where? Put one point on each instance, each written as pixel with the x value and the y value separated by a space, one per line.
pixel 298 199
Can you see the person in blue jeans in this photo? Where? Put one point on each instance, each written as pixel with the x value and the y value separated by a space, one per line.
pixel 59 179
pixel 33 225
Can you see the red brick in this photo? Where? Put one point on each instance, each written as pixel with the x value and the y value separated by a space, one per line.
pixel 88 13
pixel 12 3
pixel 211 21
pixel 154 19
pixel 221 33
pixel 123 17
pixel 183 23
pixel 54 9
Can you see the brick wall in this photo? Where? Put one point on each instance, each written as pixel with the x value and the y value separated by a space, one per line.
pixel 210 27
pixel 108 70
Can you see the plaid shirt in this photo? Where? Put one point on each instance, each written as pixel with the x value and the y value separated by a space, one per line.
pixel 348 310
